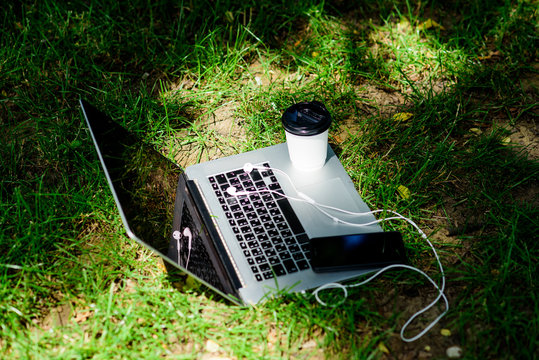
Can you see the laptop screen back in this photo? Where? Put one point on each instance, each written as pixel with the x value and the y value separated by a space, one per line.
pixel 142 181
pixel 153 199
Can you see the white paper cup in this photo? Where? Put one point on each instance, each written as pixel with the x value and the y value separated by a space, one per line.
pixel 307 152
pixel 306 128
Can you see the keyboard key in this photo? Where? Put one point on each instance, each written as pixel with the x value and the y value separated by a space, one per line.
pixel 267 245
pixel 269 225
pixel 231 174
pixel 221 179
pixel 262 237
pixel 285 255
pixel 284 227
pixel 303 264
pixel 264 267
pixel 280 247
pixel 278 270
pixel 258 204
pixel 290 266
pixel 293 248
pixel 286 233
pixel 261 211
pixel 302 239
pixel 256 175
pixel 277 240
pixel 271 252
pixel 289 241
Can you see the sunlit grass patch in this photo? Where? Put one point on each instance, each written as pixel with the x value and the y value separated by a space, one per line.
pixel 433 107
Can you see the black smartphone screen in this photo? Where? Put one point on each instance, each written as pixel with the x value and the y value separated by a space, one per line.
pixel 357 251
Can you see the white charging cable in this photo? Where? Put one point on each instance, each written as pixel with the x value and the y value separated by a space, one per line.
pixel 248 167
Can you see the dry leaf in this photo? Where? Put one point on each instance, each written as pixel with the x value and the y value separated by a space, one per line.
pixel 506 141
pixel 476 131
pixel 402 116
pixel 404 192
pixel 383 348
pixel 428 24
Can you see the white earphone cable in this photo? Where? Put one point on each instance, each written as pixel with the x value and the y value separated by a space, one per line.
pixel 248 167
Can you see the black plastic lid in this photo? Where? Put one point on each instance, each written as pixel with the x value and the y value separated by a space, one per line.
pixel 306 118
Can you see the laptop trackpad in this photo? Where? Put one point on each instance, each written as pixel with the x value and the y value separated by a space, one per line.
pixel 333 192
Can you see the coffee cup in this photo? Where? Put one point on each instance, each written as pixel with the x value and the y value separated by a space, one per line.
pixel 306 127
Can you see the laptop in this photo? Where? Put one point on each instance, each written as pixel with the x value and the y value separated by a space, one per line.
pixel 246 248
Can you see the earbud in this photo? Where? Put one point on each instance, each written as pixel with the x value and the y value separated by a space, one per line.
pixel 234 192
pixel 187 233
pixel 248 167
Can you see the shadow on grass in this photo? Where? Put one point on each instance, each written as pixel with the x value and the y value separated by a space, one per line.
pixel 456 150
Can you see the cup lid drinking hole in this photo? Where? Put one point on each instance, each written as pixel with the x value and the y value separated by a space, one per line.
pixel 306 118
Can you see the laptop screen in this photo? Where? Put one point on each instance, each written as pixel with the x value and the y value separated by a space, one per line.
pixel 143 181
pixel 153 198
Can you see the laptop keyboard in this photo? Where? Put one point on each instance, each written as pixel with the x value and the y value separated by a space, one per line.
pixel 268 231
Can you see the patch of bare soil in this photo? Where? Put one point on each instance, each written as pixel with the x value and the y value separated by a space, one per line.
pixel 218 131
pixel 217 136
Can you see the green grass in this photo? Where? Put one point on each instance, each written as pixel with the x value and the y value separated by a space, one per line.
pixel 164 70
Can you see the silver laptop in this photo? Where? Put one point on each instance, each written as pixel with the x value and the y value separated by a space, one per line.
pixel 247 248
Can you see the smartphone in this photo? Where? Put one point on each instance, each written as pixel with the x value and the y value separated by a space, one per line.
pixel 357 251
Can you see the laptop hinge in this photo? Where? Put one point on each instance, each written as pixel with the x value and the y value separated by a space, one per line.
pixel 227 261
